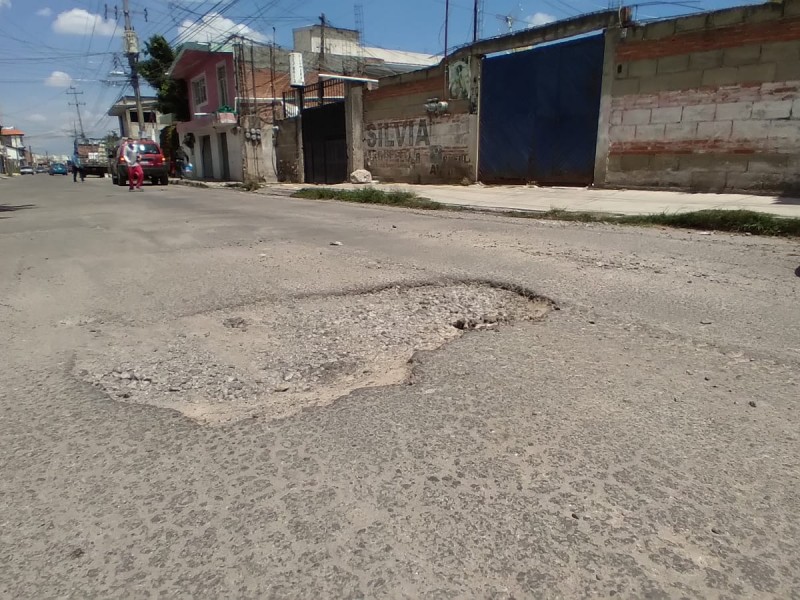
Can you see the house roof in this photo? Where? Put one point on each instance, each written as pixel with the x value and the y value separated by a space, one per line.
pixel 191 54
pixel 402 57
pixel 126 103
pixel 11 131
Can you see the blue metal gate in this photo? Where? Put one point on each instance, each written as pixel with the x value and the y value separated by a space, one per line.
pixel 539 112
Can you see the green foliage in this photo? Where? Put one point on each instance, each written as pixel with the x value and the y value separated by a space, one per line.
pixel 736 221
pixel 739 221
pixel 369 195
pixel 111 140
pixel 173 96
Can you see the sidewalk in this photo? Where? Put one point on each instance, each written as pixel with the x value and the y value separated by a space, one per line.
pixel 541 199
pixel 627 202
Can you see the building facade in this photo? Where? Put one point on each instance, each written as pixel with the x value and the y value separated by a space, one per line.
pixel 707 102
pixel 128 118
pixel 12 150
pixel 212 137
pixel 238 91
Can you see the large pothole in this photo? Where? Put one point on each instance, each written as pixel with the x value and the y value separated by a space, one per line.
pixel 276 359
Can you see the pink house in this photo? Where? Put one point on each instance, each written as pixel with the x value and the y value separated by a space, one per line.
pixel 211 137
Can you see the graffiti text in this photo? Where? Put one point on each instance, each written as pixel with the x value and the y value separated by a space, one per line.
pixel 399 134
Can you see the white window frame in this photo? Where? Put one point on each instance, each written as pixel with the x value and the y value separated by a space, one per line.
pixel 197 80
pixel 222 86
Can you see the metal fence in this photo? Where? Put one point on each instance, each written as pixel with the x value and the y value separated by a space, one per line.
pixel 325 91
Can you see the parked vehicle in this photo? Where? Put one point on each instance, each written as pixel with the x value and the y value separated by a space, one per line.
pixel 58 169
pixel 155 168
pixel 93 157
pixel 27 170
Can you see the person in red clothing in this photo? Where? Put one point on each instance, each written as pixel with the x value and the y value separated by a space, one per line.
pixel 135 170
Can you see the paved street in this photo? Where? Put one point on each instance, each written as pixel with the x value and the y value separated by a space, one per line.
pixel 215 394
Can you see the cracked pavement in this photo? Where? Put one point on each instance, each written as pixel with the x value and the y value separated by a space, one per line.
pixel 640 441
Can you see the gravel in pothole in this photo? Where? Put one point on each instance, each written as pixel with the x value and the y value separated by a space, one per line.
pixel 275 359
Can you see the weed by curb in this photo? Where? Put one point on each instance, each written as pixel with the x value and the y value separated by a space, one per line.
pixel 370 196
pixel 734 221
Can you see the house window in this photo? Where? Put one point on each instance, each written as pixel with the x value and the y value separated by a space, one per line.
pixel 199 91
pixel 222 82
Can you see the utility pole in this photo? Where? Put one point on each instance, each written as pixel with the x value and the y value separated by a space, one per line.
pixel 272 74
pixel 446 26
pixel 75 93
pixel 253 77
pixel 476 19
pixel 444 60
pixel 322 22
pixel 131 46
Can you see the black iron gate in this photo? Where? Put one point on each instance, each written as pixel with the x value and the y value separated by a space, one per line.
pixel 539 114
pixel 325 144
pixel 324 132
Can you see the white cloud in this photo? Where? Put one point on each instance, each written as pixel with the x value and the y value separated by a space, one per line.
pixel 58 79
pixel 215 28
pixel 36 118
pixel 539 18
pixel 5 3
pixel 81 22
pixel 44 12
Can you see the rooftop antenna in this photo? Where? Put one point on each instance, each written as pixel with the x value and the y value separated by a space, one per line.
pixel 511 19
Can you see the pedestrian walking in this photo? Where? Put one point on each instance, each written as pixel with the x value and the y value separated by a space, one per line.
pixel 135 170
pixel 180 162
pixel 77 168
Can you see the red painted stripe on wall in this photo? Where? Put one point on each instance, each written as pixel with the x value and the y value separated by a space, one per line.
pixel 713 39
pixel 781 90
pixel 698 147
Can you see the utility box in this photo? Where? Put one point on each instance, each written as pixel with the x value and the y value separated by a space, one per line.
pixel 130 42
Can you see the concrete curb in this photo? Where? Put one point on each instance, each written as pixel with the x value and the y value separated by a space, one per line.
pixel 189 183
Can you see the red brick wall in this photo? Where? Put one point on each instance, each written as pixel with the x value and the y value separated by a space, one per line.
pixel 709 102
pixel 432 86
pixel 699 41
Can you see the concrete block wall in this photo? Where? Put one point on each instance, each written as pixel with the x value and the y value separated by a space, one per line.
pixel 405 143
pixel 709 102
pixel 289 167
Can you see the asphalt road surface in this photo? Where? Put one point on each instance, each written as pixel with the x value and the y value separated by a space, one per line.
pixel 201 396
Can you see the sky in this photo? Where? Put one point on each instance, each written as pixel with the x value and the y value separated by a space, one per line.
pixel 46 46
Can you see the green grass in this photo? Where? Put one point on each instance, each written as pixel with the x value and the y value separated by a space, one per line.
pixel 370 196
pixel 735 221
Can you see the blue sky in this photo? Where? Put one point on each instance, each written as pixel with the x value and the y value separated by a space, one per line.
pixel 48 45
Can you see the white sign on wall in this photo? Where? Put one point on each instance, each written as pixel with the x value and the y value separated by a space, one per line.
pixel 297 75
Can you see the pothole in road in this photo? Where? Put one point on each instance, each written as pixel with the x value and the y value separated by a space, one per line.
pixel 276 359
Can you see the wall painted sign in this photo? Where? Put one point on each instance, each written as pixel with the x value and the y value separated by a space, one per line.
pixel 398 134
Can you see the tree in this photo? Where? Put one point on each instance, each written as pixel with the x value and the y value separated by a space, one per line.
pixel 173 96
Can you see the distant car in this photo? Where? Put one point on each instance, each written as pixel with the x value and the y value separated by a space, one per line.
pixel 58 169
pixel 41 169
pixel 153 164
pixel 26 171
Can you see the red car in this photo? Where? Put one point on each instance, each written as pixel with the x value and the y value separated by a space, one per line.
pixel 153 164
